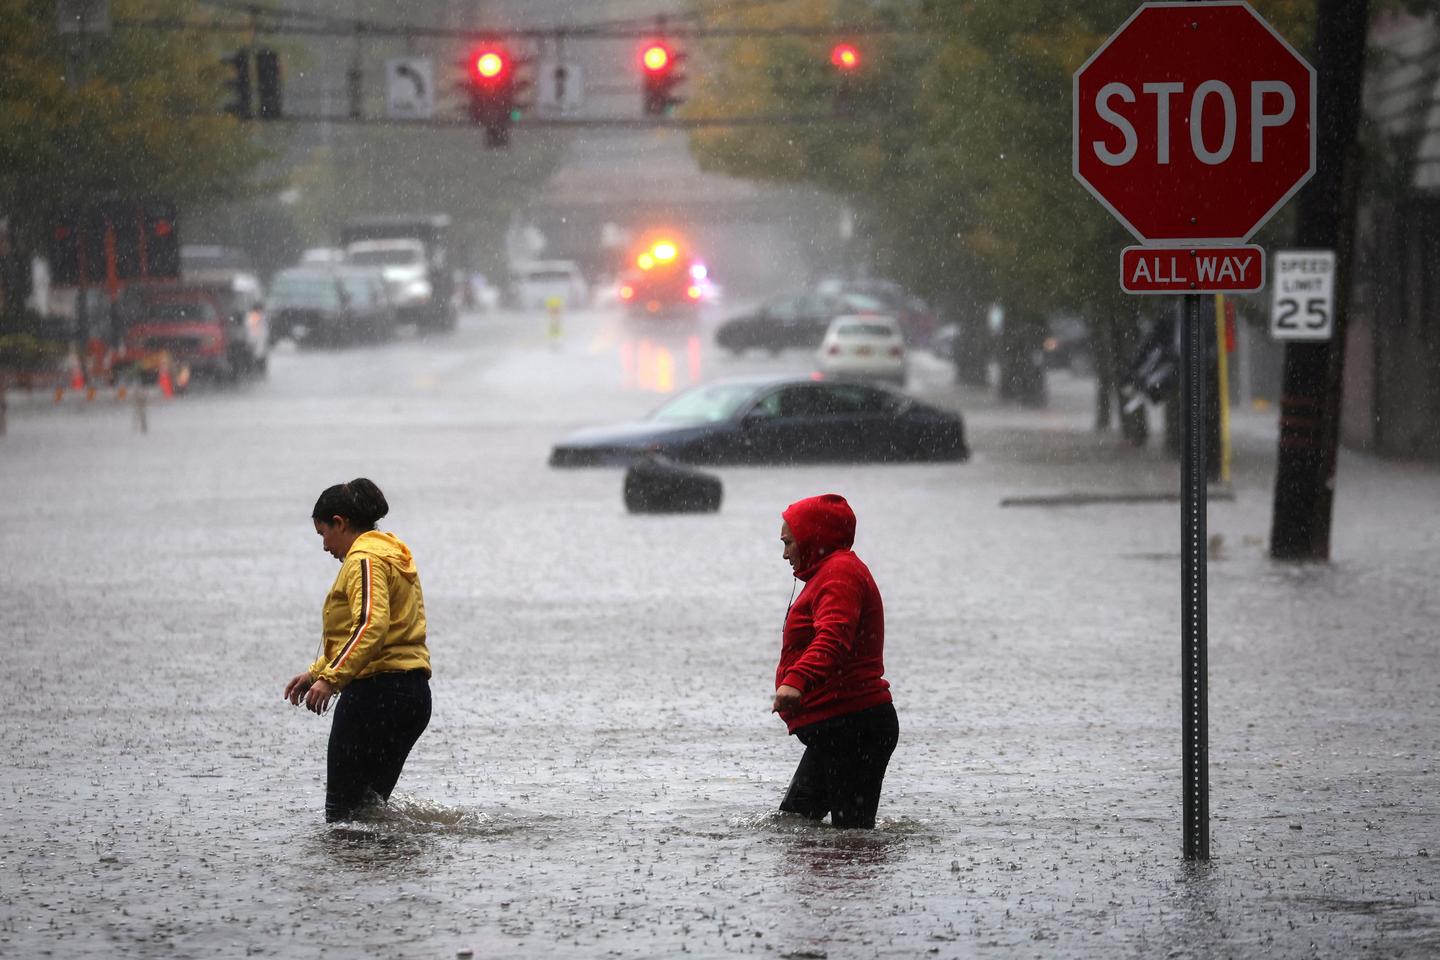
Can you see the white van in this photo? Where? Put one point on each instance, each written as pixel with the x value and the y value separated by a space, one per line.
pixel 533 284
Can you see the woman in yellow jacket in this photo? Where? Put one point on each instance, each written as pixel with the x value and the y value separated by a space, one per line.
pixel 373 654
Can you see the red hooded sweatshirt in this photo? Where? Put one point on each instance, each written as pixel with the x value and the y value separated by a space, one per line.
pixel 834 641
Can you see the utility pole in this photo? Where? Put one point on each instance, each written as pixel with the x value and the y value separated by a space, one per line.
pixel 1314 371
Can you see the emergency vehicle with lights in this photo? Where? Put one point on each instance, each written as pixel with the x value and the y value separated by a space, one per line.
pixel 665 280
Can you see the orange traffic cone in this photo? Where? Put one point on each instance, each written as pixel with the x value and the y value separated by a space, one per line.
pixel 167 386
pixel 77 372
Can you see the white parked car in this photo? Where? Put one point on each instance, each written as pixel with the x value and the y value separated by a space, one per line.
pixel 863 346
pixel 533 285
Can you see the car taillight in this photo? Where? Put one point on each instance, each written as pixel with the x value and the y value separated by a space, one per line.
pixel 627 292
pixel 693 293
pixel 254 320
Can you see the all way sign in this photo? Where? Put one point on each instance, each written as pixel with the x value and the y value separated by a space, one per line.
pixel 1192 269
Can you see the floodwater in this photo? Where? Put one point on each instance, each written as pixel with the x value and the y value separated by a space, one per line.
pixel 600 774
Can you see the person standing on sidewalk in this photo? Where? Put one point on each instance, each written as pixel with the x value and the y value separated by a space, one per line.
pixel 373 653
pixel 830 686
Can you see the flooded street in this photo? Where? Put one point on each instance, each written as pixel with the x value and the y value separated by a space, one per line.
pixel 600 773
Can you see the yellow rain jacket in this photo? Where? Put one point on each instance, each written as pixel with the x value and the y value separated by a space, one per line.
pixel 374 614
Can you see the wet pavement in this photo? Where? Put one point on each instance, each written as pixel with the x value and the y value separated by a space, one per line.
pixel 600 773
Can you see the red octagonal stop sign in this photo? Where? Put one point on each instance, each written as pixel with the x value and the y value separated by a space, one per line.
pixel 1194 122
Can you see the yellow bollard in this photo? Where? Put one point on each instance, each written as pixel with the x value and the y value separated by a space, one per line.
pixel 554 308
pixel 1223 376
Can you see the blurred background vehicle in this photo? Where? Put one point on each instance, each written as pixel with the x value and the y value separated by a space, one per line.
pixel 320 255
pixel 863 346
pixel 772 420
pixel 229 277
pixel 666 280
pixel 794 320
pixel 211 331
pixel 533 284
pixel 432 232
pixel 329 304
pixel 918 320
pixel 1067 344
pixel 402 265
pixel 476 290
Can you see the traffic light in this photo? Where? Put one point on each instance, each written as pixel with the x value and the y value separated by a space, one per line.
pixel 845 58
pixel 492 86
pixel 267 82
pixel 660 67
pixel 238 83
pixel 162 240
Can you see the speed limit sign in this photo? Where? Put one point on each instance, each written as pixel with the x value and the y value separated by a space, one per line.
pixel 1303 295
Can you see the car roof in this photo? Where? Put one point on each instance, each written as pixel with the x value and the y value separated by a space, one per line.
pixel 761 381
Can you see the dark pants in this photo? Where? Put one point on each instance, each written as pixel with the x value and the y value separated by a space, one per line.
pixel 843 767
pixel 377 721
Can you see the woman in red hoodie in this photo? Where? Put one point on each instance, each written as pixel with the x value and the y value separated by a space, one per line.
pixel 830 687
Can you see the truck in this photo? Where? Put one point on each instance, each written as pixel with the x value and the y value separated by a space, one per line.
pixel 424 285
pixel 667 281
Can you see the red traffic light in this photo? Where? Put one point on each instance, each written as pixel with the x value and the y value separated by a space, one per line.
pixel 656 57
pixel 845 56
pixel 490 64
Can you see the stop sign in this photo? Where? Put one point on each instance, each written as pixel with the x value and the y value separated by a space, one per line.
pixel 1194 122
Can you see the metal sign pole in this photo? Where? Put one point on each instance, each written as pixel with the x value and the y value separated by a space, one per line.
pixel 1193 542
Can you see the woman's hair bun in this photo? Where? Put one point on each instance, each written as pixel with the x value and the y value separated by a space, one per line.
pixel 370 503
pixel 358 501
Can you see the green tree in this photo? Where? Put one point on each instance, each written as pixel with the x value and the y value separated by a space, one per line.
pixel 134 113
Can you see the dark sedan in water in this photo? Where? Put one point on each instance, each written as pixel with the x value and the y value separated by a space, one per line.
pixel 776 420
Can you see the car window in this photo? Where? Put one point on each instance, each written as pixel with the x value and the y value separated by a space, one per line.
pixel 800 400
pixel 180 313
pixel 851 398
pixel 784 308
pixel 362 294
pixel 304 291
pixel 862 303
pixel 711 403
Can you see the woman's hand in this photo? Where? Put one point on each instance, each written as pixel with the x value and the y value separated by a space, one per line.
pixel 296 688
pixel 787 699
pixel 317 699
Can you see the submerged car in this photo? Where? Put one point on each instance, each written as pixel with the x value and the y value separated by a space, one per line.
pixel 776 420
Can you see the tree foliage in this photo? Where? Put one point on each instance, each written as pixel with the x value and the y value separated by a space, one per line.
pixel 135 114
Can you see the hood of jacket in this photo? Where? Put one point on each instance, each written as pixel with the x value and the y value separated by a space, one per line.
pixel 821 526
pixel 385 546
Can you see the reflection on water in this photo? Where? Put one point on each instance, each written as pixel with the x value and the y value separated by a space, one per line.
pixel 651 366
